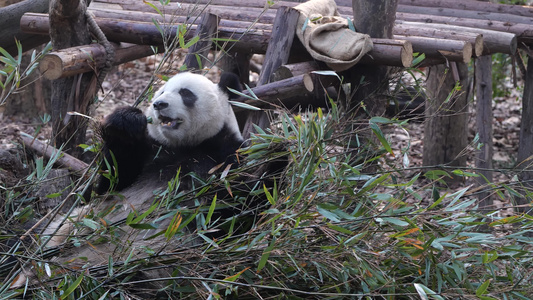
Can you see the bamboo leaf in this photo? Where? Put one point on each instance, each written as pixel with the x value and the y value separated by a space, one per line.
pixel 482 289
pixel 72 287
pixel 265 255
pixel 153 7
pixel 377 132
pixel 244 105
pixel 236 276
pixel 211 210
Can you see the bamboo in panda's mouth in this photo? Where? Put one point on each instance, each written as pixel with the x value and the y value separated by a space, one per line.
pixel 169 122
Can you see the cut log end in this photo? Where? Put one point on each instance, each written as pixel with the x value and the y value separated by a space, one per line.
pixel 308 82
pixel 51 66
pixel 407 54
pixel 467 52
pixel 478 45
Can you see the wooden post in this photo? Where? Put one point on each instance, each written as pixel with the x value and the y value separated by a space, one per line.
pixel 205 30
pixel 375 18
pixel 277 54
pixel 68 28
pixel 525 148
pixel 445 133
pixel 483 73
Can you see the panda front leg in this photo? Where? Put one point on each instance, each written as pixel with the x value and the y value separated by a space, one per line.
pixel 125 148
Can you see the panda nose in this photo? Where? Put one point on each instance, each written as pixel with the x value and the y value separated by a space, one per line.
pixel 159 105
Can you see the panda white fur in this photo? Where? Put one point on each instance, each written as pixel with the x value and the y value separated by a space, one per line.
pixel 193 130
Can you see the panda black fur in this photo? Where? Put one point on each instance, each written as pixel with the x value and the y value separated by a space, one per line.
pixel 193 128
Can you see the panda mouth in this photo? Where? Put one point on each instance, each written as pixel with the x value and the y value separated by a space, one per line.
pixel 169 122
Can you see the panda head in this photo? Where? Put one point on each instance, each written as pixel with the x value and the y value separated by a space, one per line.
pixel 190 109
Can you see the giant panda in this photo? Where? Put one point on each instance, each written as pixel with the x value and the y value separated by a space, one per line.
pixel 188 129
pixel 193 128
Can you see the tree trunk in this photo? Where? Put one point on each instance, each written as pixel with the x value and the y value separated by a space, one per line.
pixel 445 133
pixel 375 18
pixel 68 28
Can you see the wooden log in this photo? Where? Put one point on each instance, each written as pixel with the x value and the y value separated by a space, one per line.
pixel 296 69
pixel 48 151
pixel 197 56
pixel 433 48
pixel 81 59
pixel 524 32
pixel 475 39
pixel 493 41
pixel 474 5
pixel 282 93
pixel 468 14
pixel 389 52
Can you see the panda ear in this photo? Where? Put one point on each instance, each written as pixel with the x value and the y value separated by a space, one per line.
pixel 229 80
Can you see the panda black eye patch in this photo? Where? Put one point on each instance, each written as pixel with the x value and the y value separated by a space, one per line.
pixel 188 97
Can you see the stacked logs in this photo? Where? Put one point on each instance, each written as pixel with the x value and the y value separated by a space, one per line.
pixel 442 30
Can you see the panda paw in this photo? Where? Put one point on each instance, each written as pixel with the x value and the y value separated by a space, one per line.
pixel 125 123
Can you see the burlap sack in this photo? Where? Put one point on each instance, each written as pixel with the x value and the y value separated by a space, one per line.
pixel 327 36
